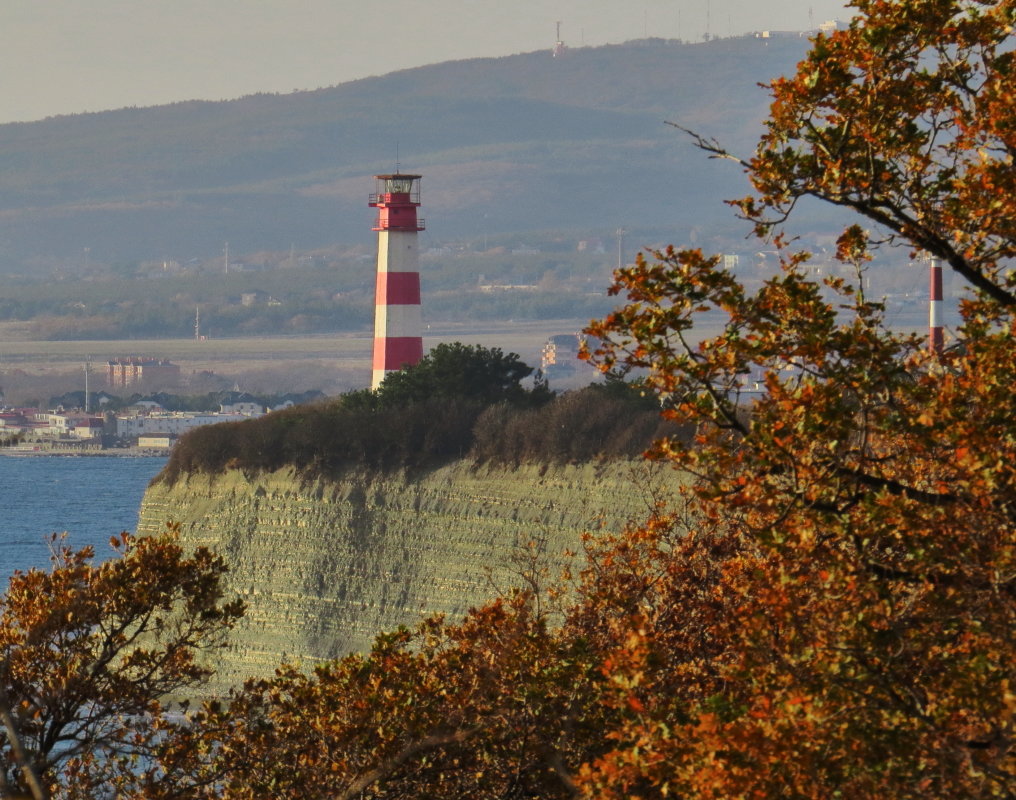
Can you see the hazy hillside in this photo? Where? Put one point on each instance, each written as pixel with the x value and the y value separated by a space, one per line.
pixel 525 143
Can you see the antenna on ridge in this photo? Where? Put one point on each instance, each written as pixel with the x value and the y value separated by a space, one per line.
pixel 396 156
pixel 559 45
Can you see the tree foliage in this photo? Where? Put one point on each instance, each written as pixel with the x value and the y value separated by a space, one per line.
pixel 829 609
pixel 846 590
pixel 848 574
pixel 907 119
pixel 487 708
pixel 457 370
pixel 91 653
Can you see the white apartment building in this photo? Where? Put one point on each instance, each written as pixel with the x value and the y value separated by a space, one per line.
pixel 170 423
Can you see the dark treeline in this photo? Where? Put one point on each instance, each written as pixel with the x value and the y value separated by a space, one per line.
pixel 325 439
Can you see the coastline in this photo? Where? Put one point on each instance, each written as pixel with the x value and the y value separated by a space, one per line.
pixel 70 452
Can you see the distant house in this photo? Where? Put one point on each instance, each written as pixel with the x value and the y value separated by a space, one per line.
pixel 156 441
pixel 241 403
pixel 246 409
pixel 560 351
pixel 297 398
pixel 145 406
pixel 780 34
pixel 86 427
pixel 257 298
pixel 831 25
pixel 77 426
pixel 76 399
pixel 17 420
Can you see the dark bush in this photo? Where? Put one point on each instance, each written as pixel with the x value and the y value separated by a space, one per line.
pixel 460 401
pixel 459 370
pixel 330 437
pixel 585 425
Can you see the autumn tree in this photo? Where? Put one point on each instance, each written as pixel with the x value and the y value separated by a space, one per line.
pixel 90 655
pixel 839 617
pixel 829 609
pixel 494 706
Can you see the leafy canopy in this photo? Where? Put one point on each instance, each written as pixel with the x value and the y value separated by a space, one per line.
pixel 839 618
pixel 90 654
pixel 461 371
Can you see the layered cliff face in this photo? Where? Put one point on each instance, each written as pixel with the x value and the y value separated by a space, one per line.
pixel 326 565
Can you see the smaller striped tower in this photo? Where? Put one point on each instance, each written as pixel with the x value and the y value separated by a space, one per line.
pixel 398 322
pixel 936 339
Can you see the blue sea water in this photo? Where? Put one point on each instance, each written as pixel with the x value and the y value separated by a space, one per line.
pixel 90 497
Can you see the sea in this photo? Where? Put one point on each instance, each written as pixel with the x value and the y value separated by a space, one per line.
pixel 90 498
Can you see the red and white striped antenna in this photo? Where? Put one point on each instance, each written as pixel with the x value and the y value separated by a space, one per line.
pixel 936 338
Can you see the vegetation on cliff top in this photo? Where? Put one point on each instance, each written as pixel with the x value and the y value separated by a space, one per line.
pixel 460 401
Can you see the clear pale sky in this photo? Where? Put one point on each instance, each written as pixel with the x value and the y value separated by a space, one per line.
pixel 70 56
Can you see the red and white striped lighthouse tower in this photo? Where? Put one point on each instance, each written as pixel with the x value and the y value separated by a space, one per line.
pixel 398 323
pixel 936 340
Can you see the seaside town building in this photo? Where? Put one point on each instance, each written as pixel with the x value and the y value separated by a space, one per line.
pixel 133 370
pixel 171 423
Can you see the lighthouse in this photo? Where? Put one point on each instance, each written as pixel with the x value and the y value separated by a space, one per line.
pixel 398 323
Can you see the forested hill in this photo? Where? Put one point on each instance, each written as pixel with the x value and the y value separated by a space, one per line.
pixel 506 145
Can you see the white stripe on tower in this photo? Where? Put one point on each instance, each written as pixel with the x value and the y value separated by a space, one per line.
pixel 936 340
pixel 398 321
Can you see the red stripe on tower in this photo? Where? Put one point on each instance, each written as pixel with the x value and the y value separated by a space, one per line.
pixel 397 289
pixel 398 350
pixel 936 339
pixel 398 322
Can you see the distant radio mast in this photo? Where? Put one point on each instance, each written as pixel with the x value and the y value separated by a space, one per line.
pixel 197 323
pixel 559 45
pixel 88 361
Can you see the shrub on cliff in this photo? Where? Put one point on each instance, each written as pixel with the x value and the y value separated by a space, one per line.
pixel 459 402
pixel 588 424
pixel 327 438
pixel 457 370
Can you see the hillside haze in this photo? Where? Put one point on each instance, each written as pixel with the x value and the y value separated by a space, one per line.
pixel 507 146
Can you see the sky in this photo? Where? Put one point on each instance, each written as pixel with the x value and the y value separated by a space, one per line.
pixel 73 56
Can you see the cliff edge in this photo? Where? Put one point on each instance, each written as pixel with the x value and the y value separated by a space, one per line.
pixel 326 564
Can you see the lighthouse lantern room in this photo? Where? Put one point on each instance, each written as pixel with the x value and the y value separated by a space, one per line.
pixel 398 322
